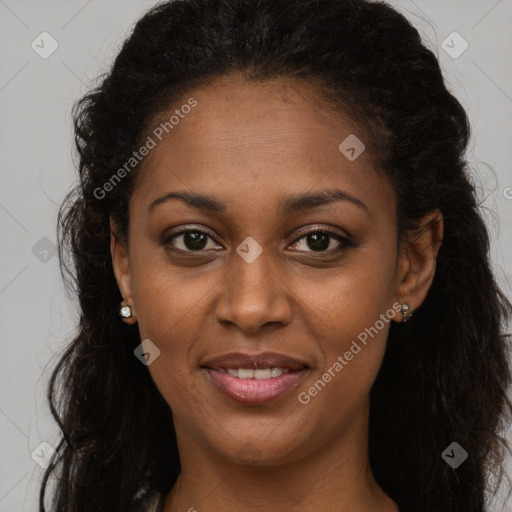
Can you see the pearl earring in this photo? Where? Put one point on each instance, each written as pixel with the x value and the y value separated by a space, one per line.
pixel 126 313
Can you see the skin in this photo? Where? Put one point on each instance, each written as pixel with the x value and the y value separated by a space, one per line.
pixel 251 145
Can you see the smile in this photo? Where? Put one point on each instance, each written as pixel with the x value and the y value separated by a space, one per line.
pixel 255 386
pixel 262 373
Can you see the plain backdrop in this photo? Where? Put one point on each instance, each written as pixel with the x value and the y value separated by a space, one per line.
pixel 37 169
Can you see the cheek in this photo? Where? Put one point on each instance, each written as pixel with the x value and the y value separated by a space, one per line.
pixel 174 382
pixel 347 301
pixel 353 312
pixel 169 301
pixel 171 313
pixel 351 363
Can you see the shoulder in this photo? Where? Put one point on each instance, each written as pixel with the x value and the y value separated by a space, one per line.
pixel 147 501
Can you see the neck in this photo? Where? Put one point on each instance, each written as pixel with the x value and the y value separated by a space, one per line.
pixel 336 477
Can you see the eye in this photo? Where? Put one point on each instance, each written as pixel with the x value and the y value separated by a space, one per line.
pixel 318 240
pixel 321 240
pixel 190 240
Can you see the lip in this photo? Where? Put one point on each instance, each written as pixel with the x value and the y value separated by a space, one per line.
pixel 255 391
pixel 255 361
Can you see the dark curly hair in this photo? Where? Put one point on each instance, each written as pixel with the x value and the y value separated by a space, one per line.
pixel 444 376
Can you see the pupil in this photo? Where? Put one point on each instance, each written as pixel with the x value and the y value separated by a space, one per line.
pixel 318 241
pixel 194 240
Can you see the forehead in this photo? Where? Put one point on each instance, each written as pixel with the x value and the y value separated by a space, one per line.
pixel 250 143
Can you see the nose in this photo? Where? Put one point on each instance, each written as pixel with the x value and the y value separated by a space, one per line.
pixel 253 296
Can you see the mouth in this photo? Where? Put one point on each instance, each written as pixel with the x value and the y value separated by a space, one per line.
pixel 255 379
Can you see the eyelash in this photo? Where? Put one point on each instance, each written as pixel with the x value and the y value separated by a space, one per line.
pixel 344 241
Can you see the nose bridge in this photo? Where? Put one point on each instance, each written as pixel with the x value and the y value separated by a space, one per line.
pixel 253 293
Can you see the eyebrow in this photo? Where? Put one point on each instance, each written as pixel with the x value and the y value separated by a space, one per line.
pixel 290 205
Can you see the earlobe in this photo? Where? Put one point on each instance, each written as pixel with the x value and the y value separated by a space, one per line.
pixel 417 260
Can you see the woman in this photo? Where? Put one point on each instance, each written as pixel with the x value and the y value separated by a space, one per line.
pixel 286 296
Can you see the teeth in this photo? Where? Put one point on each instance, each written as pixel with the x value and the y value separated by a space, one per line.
pixel 245 374
pixel 262 373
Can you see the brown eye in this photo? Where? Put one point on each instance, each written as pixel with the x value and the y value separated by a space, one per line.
pixel 191 241
pixel 321 241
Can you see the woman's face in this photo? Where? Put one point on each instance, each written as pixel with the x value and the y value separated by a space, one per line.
pixel 247 279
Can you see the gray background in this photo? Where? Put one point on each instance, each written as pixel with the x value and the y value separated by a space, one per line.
pixel 36 96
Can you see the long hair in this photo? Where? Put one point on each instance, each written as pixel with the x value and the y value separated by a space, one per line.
pixel 445 374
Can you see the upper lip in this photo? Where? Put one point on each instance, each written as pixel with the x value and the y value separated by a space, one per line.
pixel 254 361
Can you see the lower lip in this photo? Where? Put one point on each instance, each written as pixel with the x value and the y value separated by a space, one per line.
pixel 255 391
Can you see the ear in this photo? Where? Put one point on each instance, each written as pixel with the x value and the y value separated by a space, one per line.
pixel 121 264
pixel 417 260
